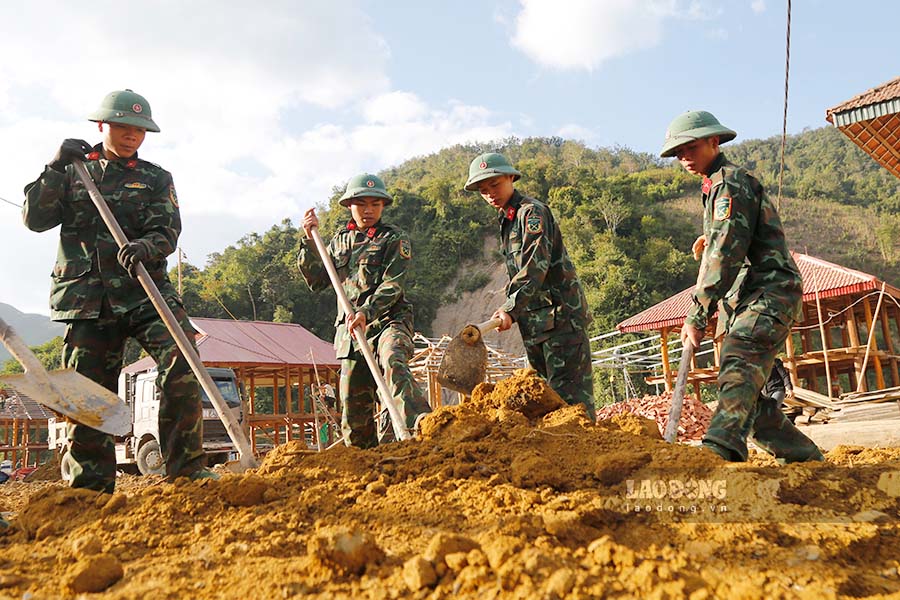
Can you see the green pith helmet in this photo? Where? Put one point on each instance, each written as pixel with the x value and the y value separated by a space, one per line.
pixel 694 125
pixel 127 108
pixel 365 186
pixel 486 166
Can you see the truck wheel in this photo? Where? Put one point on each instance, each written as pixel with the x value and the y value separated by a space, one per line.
pixel 65 469
pixel 150 460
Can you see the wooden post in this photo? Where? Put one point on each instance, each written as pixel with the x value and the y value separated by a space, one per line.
pixel 789 350
pixel 664 351
pixel 804 335
pixel 289 408
pixel 852 329
pixel 252 409
pixel 889 344
pixel 896 312
pixel 824 342
pixel 870 341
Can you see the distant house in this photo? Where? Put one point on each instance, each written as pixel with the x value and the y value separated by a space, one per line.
pixel 23 429
pixel 847 299
pixel 274 356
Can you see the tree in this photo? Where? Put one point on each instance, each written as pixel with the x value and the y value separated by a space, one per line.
pixel 49 353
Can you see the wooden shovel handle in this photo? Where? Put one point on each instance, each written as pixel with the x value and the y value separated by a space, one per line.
pixel 400 430
pixel 489 325
pixel 678 395
pixel 232 427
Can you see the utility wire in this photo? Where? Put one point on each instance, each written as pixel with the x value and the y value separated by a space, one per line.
pixel 10 202
pixel 787 70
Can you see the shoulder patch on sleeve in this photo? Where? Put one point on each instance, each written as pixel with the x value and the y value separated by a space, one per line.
pixel 722 209
pixel 405 249
pixel 172 197
pixel 534 224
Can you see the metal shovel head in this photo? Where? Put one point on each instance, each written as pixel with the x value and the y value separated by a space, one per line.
pixel 465 361
pixel 73 395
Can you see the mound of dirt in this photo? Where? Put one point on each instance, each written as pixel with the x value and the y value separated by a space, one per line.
pixel 509 495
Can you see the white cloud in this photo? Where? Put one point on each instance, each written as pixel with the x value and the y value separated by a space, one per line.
pixel 758 6
pixel 394 107
pixel 231 85
pixel 582 34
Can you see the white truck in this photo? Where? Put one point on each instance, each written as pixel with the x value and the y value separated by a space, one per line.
pixel 140 448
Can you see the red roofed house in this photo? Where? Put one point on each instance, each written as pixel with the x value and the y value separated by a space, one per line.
pixel 278 356
pixel 23 429
pixel 845 300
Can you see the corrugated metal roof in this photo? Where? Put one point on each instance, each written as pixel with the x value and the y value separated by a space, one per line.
pixel 831 280
pixel 254 342
pixel 878 101
pixel 19 407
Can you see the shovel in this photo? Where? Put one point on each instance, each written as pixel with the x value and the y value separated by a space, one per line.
pixel 465 361
pixel 67 392
pixel 687 356
pixel 247 460
pixel 387 399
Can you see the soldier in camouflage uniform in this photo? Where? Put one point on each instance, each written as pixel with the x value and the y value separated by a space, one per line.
pixel 746 263
pixel 94 290
pixel 544 295
pixel 371 259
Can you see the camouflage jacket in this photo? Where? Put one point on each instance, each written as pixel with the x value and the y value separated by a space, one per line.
pixel 745 243
pixel 544 295
pixel 142 198
pixel 372 266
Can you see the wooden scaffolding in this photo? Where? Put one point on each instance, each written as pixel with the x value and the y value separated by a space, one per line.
pixel 427 359
pixel 847 342
pixel 23 430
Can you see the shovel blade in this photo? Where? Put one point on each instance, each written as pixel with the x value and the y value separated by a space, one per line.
pixel 464 364
pixel 73 395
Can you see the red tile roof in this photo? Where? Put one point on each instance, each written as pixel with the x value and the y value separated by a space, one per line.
pixel 671 312
pixel 832 281
pixel 882 93
pixel 224 341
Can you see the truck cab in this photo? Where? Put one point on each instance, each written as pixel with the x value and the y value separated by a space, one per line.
pixel 140 448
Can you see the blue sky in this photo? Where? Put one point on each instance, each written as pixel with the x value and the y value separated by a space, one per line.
pixel 265 106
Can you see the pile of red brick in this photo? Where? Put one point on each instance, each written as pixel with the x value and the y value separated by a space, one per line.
pixel 695 415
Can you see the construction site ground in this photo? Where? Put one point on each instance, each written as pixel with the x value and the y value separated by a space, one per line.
pixel 510 495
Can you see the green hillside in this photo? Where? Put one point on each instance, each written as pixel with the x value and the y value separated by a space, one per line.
pixel 33 329
pixel 628 219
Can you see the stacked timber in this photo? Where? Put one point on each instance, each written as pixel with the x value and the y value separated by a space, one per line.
pixel 695 415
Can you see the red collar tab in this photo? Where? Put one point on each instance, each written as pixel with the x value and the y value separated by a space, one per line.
pixel 510 213
pixel 351 226
pixel 707 185
pixel 370 232
pixel 131 163
pixel 93 156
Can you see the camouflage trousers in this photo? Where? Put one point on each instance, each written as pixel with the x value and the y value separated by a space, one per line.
pixel 564 360
pixel 393 350
pixel 94 348
pixel 748 351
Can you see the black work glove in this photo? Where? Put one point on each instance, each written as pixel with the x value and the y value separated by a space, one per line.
pixel 132 253
pixel 69 151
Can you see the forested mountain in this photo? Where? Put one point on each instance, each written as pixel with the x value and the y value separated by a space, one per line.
pixel 628 220
pixel 33 329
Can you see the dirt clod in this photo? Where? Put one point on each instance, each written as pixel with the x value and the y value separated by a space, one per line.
pixel 94 574
pixel 418 573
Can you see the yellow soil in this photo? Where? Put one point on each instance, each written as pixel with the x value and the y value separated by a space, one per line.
pixel 512 495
